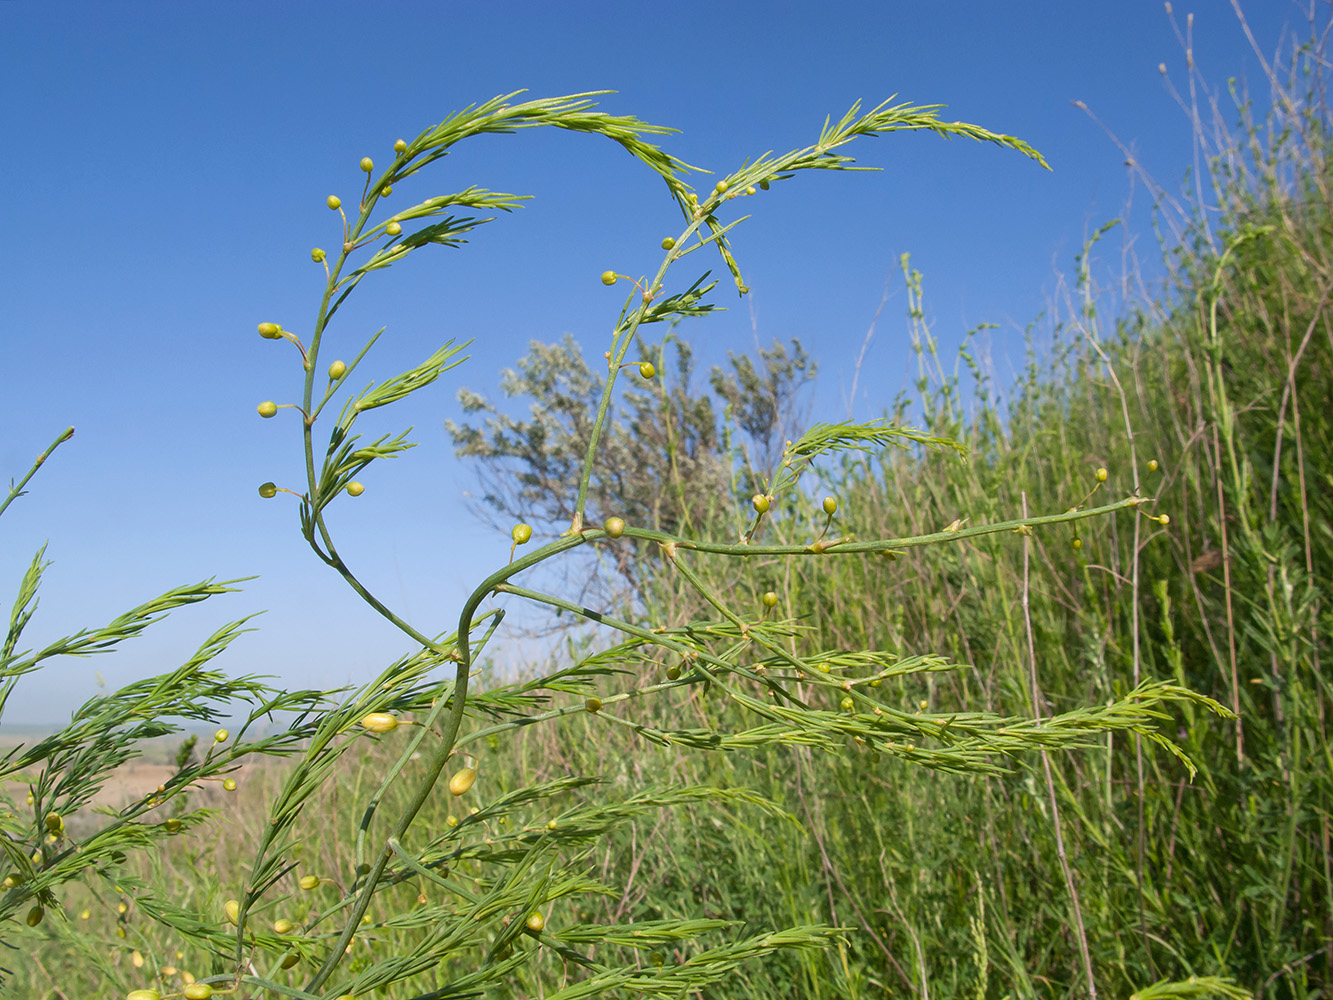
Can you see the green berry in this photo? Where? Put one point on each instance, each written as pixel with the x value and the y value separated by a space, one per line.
pixel 267 408
pixel 367 164
pixel 770 599
pixel 268 490
pixel 282 926
pixel 761 503
pixel 608 277
pixel 380 722
pixel 669 243
pixel 521 533
pixel 393 229
pixel 462 781
pixel 1152 465
pixel 229 784
pixel 318 255
pixel 673 672
pixel 334 202
pixel 143 995
pixel 386 190
pixel 221 736
pixel 1101 475
pixel 1077 544
pixel 614 527
pixel 830 505
pixel 197 991
pixel 1164 520
pixel 308 882
pixel 763 185
pixel 290 959
pixel 647 370
pixel 232 910
pixel 270 331
pixel 35 916
pixel 355 489
pixel 593 705
pixel 54 824
pixel 720 187
pixel 337 370
pixel 847 704
pixel 400 146
pixel 172 825
pixel 535 922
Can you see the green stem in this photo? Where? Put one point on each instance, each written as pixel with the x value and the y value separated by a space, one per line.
pixel 15 491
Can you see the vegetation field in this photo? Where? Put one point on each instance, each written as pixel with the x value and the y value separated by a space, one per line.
pixel 1020 691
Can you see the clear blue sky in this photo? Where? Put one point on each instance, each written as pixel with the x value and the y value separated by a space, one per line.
pixel 164 177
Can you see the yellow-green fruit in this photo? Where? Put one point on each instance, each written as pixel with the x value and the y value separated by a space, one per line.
pixel 386 190
pixel 647 370
pixel 720 187
pixel 593 705
pixel 282 926
pixel 761 503
pixel 367 164
pixel 173 825
pixel 197 991
pixel 393 229
pixel 380 722
pixel 337 370
pixel 673 672
pixel 54 824
pixel 35 916
pixel 848 704
pixel 221 736
pixel 1077 543
pixel 520 533
pixel 232 908
pixel 270 331
pixel 290 959
pixel 229 784
pixel 85 914
pixel 318 255
pixel 535 922
pixel 267 408
pixel 614 527
pixel 1164 520
pixel 400 146
pixel 1101 475
pixel 268 490
pixel 462 781
pixel 334 202
pixel 1152 465
pixel 669 243
pixel 308 882
pixel 143 995
pixel 608 277
pixel 770 600
pixel 830 505
pixel 355 489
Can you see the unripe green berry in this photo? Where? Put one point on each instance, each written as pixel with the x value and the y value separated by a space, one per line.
pixel 673 672
pixel 830 505
pixel 521 533
pixel 393 229
pixel 1077 544
pixel 197 991
pixel 847 704
pixel 268 490
pixel 355 489
pixel 669 243
pixel 308 882
pixel 614 527
pixel 267 408
pixel 608 277
pixel 720 187
pixel 1152 465
pixel 400 146
pixel 1164 520
pixel 229 784
pixel 54 823
pixel 535 922
pixel 282 927
pixel 143 995
pixel 1101 475
pixel 761 503
pixel 318 255
pixel 593 705
pixel 763 185
pixel 337 370
pixel 386 190
pixel 334 202
pixel 172 825
pixel 290 959
pixel 35 916
pixel 367 164
pixel 770 599
pixel 647 369
pixel 270 331
pixel 232 910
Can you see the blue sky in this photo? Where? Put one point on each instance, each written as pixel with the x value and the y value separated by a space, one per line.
pixel 164 179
